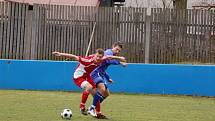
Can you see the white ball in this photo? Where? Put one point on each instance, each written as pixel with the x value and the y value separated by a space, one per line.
pixel 66 114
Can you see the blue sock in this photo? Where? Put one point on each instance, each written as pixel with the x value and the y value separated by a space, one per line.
pixel 97 98
pixel 102 99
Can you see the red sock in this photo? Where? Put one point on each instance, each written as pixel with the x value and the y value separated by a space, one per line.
pixel 85 95
pixel 98 108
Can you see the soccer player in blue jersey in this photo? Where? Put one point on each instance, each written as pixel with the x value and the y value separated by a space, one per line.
pixel 100 76
pixel 116 48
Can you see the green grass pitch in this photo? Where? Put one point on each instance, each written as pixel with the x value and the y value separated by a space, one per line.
pixel 16 105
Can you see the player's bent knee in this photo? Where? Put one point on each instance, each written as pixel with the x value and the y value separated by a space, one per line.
pixel 101 86
pixel 86 85
pixel 106 93
pixel 103 89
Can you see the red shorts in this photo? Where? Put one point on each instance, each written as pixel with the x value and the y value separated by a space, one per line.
pixel 83 78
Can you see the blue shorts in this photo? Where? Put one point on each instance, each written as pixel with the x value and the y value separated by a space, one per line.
pixel 99 78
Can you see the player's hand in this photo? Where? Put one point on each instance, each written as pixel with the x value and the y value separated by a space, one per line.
pixel 124 64
pixel 110 81
pixel 56 53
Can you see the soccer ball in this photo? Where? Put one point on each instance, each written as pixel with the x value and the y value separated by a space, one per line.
pixel 66 114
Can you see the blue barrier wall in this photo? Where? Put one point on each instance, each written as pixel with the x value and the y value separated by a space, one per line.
pixel 136 78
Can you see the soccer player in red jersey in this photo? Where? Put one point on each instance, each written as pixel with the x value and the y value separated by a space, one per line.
pixel 81 75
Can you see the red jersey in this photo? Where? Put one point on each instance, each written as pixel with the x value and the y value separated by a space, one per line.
pixel 86 66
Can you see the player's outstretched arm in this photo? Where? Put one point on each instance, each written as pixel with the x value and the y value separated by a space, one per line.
pixel 120 58
pixel 65 55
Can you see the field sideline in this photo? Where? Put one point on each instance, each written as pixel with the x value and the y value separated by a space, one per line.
pixel 20 105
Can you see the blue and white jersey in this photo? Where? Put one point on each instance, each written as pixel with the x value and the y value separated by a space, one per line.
pixel 100 71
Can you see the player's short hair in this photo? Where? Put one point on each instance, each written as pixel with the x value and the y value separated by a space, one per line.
pixel 120 44
pixel 100 51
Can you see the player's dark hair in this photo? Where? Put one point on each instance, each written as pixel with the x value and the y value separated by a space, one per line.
pixel 120 44
pixel 100 51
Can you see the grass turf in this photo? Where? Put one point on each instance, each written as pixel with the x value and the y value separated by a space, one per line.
pixel 16 105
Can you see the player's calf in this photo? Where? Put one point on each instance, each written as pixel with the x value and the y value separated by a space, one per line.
pixel 88 88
